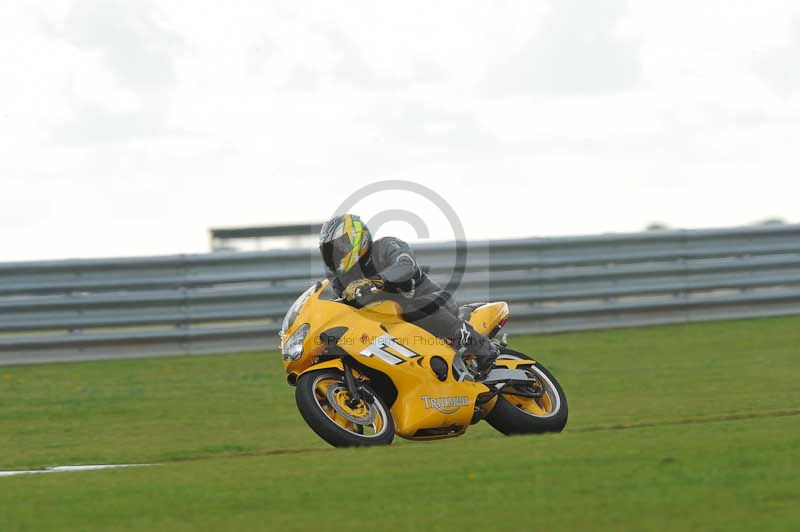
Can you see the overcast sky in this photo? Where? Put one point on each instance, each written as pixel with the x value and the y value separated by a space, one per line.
pixel 130 128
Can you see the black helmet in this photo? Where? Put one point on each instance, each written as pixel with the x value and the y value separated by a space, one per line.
pixel 344 241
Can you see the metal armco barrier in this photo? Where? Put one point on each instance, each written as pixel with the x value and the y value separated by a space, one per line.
pixel 228 302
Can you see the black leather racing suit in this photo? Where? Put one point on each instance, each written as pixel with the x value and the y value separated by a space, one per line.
pixel 423 301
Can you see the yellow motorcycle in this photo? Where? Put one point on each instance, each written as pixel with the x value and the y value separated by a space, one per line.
pixel 364 374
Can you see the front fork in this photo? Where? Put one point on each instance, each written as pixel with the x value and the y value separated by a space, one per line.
pixel 356 392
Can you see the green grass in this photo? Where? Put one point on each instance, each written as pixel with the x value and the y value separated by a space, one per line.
pixel 712 440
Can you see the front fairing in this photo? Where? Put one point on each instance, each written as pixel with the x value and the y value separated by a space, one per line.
pixel 313 313
pixel 324 317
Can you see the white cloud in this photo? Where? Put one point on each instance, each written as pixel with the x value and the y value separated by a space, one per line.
pixel 260 54
pixel 122 72
pixel 574 50
pixel 131 128
pixel 781 66
pixel 133 43
pixel 302 79
pixel 428 127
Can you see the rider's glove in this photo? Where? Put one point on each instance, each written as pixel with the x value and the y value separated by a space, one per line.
pixel 361 287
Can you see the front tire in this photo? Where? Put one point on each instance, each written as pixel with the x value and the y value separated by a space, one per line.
pixel 516 414
pixel 322 399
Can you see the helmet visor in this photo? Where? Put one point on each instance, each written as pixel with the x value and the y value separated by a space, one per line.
pixel 335 251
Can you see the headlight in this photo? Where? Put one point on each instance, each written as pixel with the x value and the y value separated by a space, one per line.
pixel 293 347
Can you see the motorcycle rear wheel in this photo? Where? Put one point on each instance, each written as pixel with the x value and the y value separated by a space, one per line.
pixel 322 398
pixel 517 414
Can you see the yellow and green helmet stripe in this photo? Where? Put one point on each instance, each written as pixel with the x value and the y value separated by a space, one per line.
pixel 359 240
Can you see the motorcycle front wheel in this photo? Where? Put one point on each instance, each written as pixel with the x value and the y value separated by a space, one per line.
pixel 530 409
pixel 324 402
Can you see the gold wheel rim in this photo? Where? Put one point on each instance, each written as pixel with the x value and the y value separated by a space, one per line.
pixel 538 406
pixel 340 411
pixel 546 405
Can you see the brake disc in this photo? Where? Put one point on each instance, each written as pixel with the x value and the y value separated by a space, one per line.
pixel 333 391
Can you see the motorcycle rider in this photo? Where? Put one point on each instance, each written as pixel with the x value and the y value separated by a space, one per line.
pixel 357 266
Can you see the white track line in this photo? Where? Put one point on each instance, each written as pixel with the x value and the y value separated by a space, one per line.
pixel 68 469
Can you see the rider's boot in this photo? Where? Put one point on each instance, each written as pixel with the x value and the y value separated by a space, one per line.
pixel 483 348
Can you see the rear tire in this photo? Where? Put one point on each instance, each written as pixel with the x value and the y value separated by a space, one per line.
pixel 520 415
pixel 321 398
